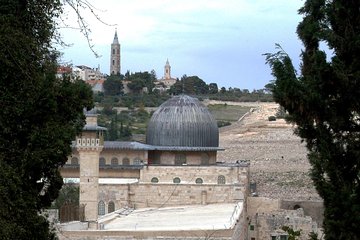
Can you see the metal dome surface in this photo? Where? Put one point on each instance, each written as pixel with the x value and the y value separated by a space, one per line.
pixel 182 121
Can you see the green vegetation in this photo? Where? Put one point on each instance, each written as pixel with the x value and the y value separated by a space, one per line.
pixel 121 126
pixel 40 116
pixel 324 103
pixel 69 193
pixel 228 113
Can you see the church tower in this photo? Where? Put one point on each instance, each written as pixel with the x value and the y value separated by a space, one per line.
pixel 167 70
pixel 89 145
pixel 115 56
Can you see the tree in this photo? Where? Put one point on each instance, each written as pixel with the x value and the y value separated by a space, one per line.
pixel 189 85
pixel 113 85
pixel 213 88
pixel 324 103
pixel 40 116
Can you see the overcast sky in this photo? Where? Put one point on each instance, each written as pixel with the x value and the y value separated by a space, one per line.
pixel 221 41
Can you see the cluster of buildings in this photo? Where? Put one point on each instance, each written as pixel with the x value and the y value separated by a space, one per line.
pixel 172 186
pixel 95 78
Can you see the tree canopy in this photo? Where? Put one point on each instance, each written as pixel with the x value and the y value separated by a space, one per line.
pixel 40 116
pixel 113 85
pixel 324 103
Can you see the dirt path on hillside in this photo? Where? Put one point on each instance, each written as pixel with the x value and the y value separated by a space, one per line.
pixel 278 161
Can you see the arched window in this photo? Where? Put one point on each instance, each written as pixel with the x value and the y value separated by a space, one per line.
pixel 111 207
pixel 114 161
pixel 137 161
pixel 101 208
pixel 176 180
pixel 113 51
pixel 154 180
pixel 126 161
pixel 199 181
pixel 74 161
pixel 102 161
pixel 221 179
pixel 180 159
pixel 205 159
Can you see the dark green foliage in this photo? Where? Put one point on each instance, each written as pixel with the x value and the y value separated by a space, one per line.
pixel 192 85
pixel 213 88
pixel 113 85
pixel 40 116
pixel 324 102
pixel 139 80
pixel 313 236
pixel 292 234
pixel 69 193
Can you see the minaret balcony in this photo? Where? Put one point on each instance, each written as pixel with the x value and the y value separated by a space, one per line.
pixel 89 143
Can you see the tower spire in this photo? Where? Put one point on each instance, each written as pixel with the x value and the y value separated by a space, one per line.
pixel 115 56
pixel 116 40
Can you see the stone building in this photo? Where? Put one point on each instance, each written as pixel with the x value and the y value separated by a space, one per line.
pixel 176 167
pixel 166 81
pixel 115 56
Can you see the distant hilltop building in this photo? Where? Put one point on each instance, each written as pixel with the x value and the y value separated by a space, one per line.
pixel 115 68
pixel 167 81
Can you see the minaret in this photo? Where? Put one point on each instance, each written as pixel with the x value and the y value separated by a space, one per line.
pixel 167 70
pixel 115 56
pixel 89 145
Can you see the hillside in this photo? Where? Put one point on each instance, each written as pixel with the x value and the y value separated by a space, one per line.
pixel 278 159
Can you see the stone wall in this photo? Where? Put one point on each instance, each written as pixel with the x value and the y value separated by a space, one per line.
pixel 167 193
pixel 266 217
pixel 314 209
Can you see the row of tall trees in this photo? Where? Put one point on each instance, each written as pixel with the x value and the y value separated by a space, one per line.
pixel 324 103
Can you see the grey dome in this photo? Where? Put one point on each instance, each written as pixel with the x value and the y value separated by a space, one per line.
pixel 182 121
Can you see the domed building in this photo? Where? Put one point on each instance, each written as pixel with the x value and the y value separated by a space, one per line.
pixel 177 166
pixel 182 131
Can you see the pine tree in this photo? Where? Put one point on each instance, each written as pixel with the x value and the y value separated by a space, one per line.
pixel 324 103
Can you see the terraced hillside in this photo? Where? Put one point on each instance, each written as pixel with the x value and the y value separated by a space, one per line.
pixel 278 159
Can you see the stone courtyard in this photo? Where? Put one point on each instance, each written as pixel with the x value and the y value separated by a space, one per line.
pixel 278 161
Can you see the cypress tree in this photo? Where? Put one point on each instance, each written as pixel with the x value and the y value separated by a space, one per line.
pixel 324 103
pixel 40 116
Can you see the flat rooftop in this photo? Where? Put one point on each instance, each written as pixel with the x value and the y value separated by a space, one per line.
pixel 193 217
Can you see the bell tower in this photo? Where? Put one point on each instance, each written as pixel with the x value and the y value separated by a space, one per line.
pixel 167 70
pixel 115 56
pixel 89 145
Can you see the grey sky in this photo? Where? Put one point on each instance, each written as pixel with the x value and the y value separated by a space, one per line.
pixel 219 41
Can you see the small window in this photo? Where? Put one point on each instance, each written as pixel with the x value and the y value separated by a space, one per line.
pixel 74 161
pixel 221 179
pixel 283 237
pixel 113 62
pixel 101 208
pixel 114 161
pixel 273 237
pixel 252 238
pixel 102 161
pixel 113 51
pixel 199 181
pixel 154 180
pixel 137 161
pixel 176 180
pixel 111 207
pixel 126 161
pixel 252 227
